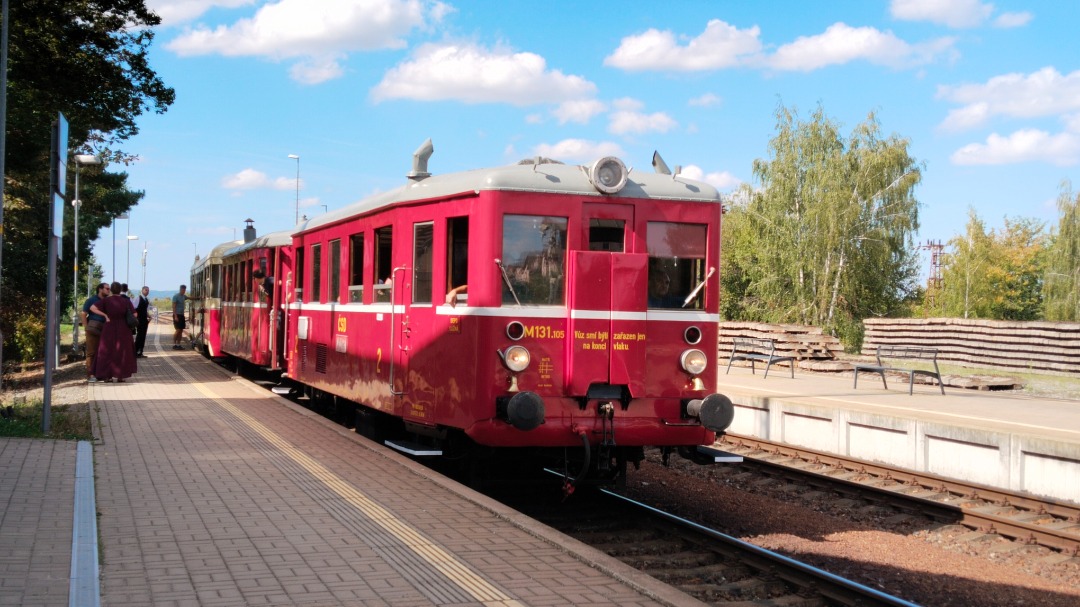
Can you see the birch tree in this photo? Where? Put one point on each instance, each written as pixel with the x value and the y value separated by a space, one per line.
pixel 1061 281
pixel 827 237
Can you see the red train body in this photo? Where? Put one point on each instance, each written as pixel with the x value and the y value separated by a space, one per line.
pixel 537 305
pixel 205 317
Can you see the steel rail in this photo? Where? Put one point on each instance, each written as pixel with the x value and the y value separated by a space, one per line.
pixel 796 572
pixel 988 518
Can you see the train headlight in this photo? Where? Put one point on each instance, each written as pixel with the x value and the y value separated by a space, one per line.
pixel 516 358
pixel 608 174
pixel 693 361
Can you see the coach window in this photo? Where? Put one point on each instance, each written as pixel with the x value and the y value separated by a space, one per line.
pixel 384 267
pixel 457 257
pixel 316 273
pixel 606 235
pixel 423 234
pixel 333 278
pixel 676 264
pixel 246 283
pixel 299 285
pixel 215 281
pixel 356 268
pixel 534 259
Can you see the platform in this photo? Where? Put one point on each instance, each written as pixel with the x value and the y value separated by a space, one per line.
pixel 213 491
pixel 998 439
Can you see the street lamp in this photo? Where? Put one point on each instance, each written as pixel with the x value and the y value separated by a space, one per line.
pixel 80 160
pixel 127 276
pixel 297 159
pixel 120 216
pixel 143 267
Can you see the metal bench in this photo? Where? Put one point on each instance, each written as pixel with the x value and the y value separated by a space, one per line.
pixel 755 351
pixel 902 353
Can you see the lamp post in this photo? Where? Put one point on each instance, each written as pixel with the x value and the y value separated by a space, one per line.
pixel 196 245
pixel 80 160
pixel 143 267
pixel 296 157
pixel 120 216
pixel 127 275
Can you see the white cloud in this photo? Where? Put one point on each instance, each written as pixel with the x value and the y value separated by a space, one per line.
pixel 1026 145
pixel 1007 20
pixel 250 179
pixel 534 119
pixel 473 74
pixel 841 43
pixel 722 180
pixel 320 33
pixel 720 46
pixel 178 11
pixel 706 100
pixel 953 13
pixel 624 122
pixel 1042 93
pixel 580 150
pixel 578 110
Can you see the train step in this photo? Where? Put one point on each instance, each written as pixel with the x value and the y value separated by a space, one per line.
pixel 414 449
pixel 719 455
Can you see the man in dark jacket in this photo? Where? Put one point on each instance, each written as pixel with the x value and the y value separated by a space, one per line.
pixel 142 313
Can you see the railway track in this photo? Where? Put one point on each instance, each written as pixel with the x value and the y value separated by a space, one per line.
pixel 710 566
pixel 1018 516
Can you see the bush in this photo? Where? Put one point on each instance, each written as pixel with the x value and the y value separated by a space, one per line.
pixel 29 338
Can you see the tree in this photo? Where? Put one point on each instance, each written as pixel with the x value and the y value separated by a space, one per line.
pixel 995 274
pixel 1061 281
pixel 89 60
pixel 827 238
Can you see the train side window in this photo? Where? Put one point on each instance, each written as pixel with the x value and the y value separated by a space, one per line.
pixel 245 284
pixel 676 264
pixel 606 235
pixel 423 234
pixel 215 281
pixel 316 273
pixel 356 268
pixel 384 266
pixel 334 269
pixel 534 257
pixel 457 256
pixel 299 286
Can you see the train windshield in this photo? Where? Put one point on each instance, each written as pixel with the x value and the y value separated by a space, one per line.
pixel 534 257
pixel 676 264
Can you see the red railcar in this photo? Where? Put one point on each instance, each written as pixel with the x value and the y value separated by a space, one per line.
pixel 541 305
pixel 206 286
pixel 252 327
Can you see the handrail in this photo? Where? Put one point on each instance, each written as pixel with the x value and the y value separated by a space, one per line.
pixel 393 326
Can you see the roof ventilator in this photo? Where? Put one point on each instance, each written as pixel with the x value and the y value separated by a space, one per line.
pixel 420 158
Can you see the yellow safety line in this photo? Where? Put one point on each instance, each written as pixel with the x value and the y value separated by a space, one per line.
pixel 441 560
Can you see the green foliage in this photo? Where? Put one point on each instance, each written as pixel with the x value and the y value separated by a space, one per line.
pixel 827 238
pixel 1061 279
pixel 30 335
pixel 995 274
pixel 88 60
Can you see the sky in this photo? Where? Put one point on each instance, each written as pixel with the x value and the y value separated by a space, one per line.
pixel 986 93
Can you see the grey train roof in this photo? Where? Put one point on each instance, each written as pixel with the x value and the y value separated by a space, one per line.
pixel 529 176
pixel 273 239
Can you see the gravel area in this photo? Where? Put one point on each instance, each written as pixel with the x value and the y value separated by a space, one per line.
pixel 920 561
pixel 69 384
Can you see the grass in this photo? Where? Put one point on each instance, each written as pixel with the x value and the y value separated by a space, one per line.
pixel 67 422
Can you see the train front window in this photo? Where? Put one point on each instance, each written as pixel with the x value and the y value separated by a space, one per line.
pixel 534 259
pixel 676 264
pixel 606 235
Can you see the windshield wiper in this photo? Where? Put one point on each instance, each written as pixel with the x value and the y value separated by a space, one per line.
pixel 697 289
pixel 506 279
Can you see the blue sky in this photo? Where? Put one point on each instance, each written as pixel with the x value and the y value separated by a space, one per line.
pixel 987 93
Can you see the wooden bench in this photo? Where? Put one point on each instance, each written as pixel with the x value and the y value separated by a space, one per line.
pixel 902 353
pixel 755 351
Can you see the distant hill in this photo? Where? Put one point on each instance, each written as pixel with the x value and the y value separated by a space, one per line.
pixel 162 294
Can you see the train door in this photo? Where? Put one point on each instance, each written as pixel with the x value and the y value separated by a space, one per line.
pixel 416 322
pixel 607 302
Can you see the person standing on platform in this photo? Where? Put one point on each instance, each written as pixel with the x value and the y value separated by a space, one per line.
pixel 142 313
pixel 116 350
pixel 93 324
pixel 179 322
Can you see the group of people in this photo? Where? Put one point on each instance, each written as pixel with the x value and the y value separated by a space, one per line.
pixel 111 349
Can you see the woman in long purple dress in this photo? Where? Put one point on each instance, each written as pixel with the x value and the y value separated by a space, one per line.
pixel 116 349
